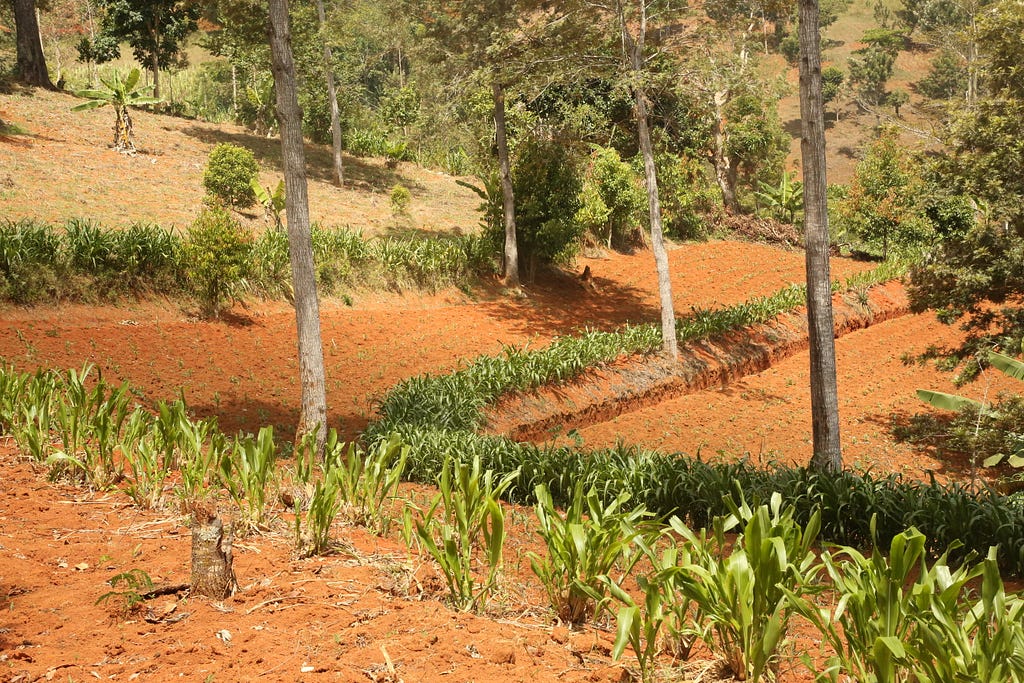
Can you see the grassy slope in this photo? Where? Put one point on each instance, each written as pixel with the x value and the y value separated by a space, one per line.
pixel 62 168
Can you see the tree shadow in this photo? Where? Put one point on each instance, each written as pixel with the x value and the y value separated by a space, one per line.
pixel 359 173
pixel 557 303
pixel 928 435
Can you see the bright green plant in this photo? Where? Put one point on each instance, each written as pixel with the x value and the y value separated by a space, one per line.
pixel 313 525
pixel 401 198
pixel 876 613
pixel 121 94
pixel 368 481
pixel 585 543
pixel 201 447
pixel 133 584
pixel 664 620
pixel 465 517
pixel 273 203
pixel 216 256
pixel 148 458
pixel 639 625
pixel 230 172
pixel 969 635
pixel 89 422
pixel 782 200
pixel 746 595
pixel 245 470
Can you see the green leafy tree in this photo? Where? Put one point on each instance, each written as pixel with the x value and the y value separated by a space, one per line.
pixel 155 30
pixel 873 65
pixel 229 174
pixel 946 79
pixel 832 79
pixel 881 206
pixel 547 181
pixel 613 200
pixel 121 94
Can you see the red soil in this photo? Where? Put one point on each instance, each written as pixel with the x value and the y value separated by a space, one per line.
pixel 339 615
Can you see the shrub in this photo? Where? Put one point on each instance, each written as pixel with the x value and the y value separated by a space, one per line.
pixel 400 200
pixel 547 185
pixel 30 262
pixel 229 175
pixel 613 201
pixel 216 255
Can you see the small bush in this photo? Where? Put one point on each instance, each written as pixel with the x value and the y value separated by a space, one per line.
pixel 401 198
pixel 216 255
pixel 229 174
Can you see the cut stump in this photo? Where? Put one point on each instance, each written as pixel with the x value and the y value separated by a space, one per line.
pixel 212 573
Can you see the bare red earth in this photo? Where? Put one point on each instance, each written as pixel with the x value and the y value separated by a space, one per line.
pixel 344 617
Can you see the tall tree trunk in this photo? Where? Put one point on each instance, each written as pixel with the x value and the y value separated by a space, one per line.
pixel 508 202
pixel 635 50
pixel 668 313
pixel 827 454
pixel 332 98
pixel 31 61
pixel 154 67
pixel 725 174
pixel 313 414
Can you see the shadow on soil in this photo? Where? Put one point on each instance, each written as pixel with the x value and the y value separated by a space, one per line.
pixel 926 434
pixel 359 173
pixel 556 303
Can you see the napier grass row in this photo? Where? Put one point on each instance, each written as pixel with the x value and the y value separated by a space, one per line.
pixel 40 262
pixel 438 416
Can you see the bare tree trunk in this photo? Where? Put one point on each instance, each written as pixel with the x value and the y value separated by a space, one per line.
pixel 725 174
pixel 508 202
pixel 313 414
pixel 212 573
pixel 635 49
pixel 824 395
pixel 31 61
pixel 332 98
pixel 668 313
pixel 154 66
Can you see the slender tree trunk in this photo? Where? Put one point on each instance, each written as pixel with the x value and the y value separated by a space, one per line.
pixel 313 414
pixel 635 50
pixel 154 66
pixel 332 98
pixel 824 395
pixel 31 61
pixel 725 174
pixel 508 201
pixel 668 313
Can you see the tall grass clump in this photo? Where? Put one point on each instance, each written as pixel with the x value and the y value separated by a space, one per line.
pixel 30 263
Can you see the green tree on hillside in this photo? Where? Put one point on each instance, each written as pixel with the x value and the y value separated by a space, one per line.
pixel 977 276
pixel 881 206
pixel 155 30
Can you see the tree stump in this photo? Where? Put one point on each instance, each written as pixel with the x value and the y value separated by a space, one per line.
pixel 212 574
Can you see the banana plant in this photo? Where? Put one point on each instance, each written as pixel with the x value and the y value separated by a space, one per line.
pixel 121 94
pixel 273 203
pixel 784 199
pixel 1011 367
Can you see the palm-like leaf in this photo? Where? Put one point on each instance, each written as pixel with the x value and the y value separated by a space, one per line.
pixel 1010 367
pixel 945 401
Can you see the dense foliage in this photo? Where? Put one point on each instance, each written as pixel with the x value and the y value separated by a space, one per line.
pixel 216 259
